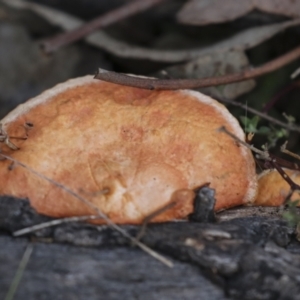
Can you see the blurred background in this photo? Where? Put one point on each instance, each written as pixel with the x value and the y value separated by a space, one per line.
pixel 174 39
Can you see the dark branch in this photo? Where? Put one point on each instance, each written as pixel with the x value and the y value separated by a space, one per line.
pixel 174 84
pixel 54 43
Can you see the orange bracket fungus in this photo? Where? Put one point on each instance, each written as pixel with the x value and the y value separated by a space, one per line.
pixel 273 189
pixel 128 151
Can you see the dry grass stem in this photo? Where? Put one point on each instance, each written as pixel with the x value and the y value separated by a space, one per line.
pixel 262 154
pixel 271 161
pixel 295 74
pixel 286 151
pixel 146 221
pixel 53 223
pixel 288 126
pixel 19 274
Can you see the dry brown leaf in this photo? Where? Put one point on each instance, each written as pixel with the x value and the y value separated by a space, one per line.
pixel 128 151
pixel 289 8
pixel 203 12
pixel 213 65
pixel 241 41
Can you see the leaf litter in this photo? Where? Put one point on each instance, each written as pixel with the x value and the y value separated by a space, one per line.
pixel 243 40
pixel 204 12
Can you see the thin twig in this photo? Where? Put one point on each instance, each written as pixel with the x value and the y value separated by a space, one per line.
pixel 295 73
pixel 53 223
pixel 262 154
pixel 294 186
pixel 150 217
pixel 286 151
pixel 290 127
pixel 174 84
pixel 278 96
pixel 54 43
pixel 94 208
pixel 19 274
pixel 271 161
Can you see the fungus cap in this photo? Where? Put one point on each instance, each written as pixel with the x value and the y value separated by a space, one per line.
pixel 128 151
pixel 273 189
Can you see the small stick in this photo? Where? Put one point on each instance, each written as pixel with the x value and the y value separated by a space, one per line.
pixel 294 186
pixel 295 74
pixel 154 214
pixel 133 240
pixel 4 138
pixel 175 84
pixel 53 223
pixel 129 9
pixel 286 151
pixel 290 127
pixel 262 154
pixel 278 96
pixel 271 161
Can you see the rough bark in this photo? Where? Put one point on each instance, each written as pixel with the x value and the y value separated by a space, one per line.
pixel 249 253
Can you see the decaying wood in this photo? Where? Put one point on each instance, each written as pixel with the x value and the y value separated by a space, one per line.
pixel 249 253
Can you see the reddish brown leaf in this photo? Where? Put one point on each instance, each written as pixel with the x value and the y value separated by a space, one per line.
pixel 203 12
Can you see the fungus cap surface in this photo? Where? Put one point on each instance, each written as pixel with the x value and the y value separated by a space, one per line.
pixel 273 189
pixel 126 150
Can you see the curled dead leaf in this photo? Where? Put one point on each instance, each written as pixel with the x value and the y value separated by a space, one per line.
pixel 213 65
pixel 203 12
